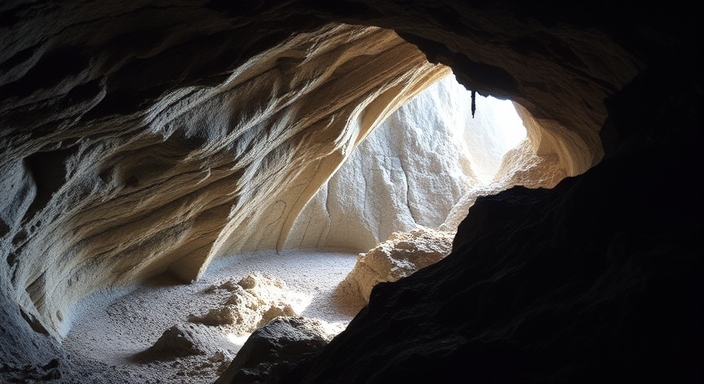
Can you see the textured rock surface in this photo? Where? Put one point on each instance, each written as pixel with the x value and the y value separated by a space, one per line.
pixel 399 256
pixel 274 349
pixel 182 340
pixel 51 371
pixel 253 302
pixel 138 138
pixel 197 172
pixel 419 163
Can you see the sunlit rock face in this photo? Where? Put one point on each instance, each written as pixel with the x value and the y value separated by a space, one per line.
pixel 203 170
pixel 411 171
pixel 401 255
pixel 138 138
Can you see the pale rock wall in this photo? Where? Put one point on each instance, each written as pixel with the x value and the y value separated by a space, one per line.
pixel 401 255
pixel 203 170
pixel 486 142
pixel 409 172
pixel 538 161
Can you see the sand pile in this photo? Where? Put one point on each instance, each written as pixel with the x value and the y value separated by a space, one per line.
pixel 165 332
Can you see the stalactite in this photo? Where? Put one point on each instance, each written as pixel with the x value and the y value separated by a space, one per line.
pixel 474 102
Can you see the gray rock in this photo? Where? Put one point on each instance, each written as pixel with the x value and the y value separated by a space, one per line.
pixel 274 349
pixel 183 340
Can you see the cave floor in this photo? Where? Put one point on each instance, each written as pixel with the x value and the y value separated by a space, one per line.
pixel 110 329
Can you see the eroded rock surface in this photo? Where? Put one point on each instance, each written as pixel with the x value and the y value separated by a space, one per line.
pixel 419 163
pixel 274 350
pixel 140 138
pixel 183 340
pixel 399 256
pixel 49 372
pixel 197 171
pixel 251 303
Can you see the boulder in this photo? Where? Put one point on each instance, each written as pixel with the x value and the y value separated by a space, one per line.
pixel 400 256
pixel 273 350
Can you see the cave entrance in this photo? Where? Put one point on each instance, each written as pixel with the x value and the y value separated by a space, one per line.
pixel 422 167
pixel 416 175
pixel 400 196
pixel 396 203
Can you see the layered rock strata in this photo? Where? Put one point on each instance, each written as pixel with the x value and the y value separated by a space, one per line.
pixel 400 256
pixel 201 171
pixel 535 291
pixel 112 120
pixel 420 162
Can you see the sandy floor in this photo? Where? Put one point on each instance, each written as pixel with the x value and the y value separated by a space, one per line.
pixel 111 329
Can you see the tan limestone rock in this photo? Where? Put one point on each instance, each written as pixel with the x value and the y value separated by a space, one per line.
pixel 400 256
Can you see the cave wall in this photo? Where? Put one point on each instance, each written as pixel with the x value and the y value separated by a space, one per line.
pixel 411 171
pixel 201 171
pixel 596 280
pixel 139 137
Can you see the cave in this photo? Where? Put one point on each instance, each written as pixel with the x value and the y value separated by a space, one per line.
pixel 152 138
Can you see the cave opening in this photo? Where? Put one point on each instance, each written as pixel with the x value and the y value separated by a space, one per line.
pixel 427 157
pixel 135 160
pixel 389 210
pixel 399 197
pixel 432 140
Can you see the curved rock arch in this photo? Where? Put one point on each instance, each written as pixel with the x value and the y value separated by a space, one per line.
pixel 91 85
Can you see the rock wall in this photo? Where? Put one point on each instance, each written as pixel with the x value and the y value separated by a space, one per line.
pixel 199 172
pixel 411 171
pixel 551 297
pixel 139 138
pixel 401 255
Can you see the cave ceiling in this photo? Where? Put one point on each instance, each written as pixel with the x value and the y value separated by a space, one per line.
pixel 139 137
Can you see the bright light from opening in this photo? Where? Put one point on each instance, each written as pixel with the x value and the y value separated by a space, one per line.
pixel 414 169
pixel 237 340
pixel 494 129
pixel 512 129
pixel 299 301
pixel 270 293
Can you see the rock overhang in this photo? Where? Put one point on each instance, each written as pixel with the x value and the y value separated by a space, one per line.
pixel 201 171
pixel 82 86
